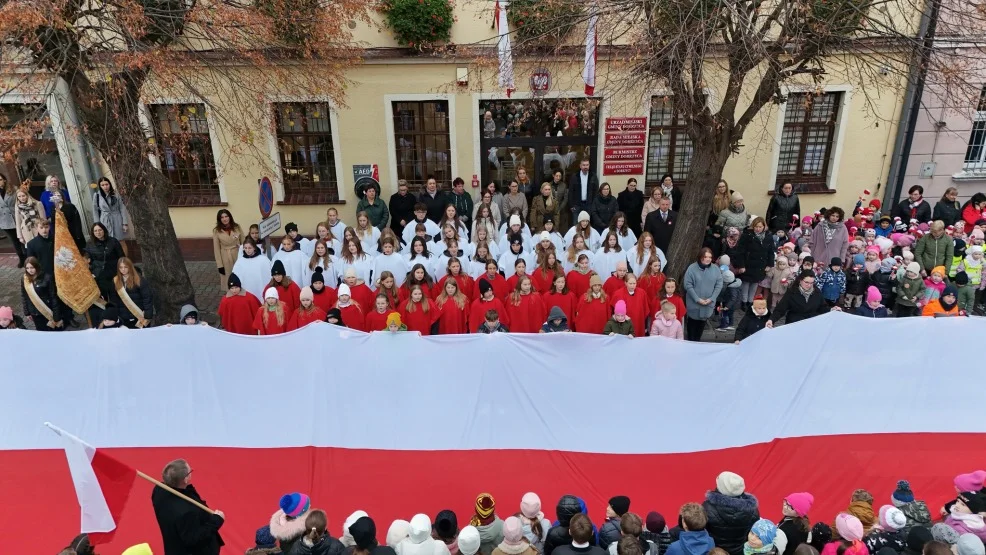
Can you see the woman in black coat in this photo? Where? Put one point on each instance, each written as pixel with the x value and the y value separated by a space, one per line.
pixel 603 208
pixel 103 253
pixel 801 302
pixel 43 287
pixel 756 255
pixel 137 289
pixel 631 203
pixel 948 209
pixel 783 206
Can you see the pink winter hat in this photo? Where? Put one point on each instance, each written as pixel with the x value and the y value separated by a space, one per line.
pixel 6 313
pixel 530 506
pixel 972 481
pixel 849 527
pixel 621 308
pixel 801 502
pixel 513 531
pixel 873 295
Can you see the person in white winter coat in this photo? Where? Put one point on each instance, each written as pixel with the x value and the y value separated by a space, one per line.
pixel 108 209
pixel 419 540
pixel 253 269
pixel 295 262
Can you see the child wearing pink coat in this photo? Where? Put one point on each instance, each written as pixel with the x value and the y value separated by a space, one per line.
pixel 666 322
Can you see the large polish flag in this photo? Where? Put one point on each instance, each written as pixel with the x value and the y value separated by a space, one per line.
pixel 396 424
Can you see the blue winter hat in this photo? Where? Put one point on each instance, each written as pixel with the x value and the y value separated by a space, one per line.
pixel 858 259
pixel 264 539
pixel 903 493
pixel 765 530
pixel 295 504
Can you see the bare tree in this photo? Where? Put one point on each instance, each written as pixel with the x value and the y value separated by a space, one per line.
pixel 112 55
pixel 749 51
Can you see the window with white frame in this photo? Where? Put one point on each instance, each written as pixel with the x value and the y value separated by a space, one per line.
pixel 975 155
pixel 807 140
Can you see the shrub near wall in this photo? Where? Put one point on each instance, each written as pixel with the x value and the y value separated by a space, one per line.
pixel 419 24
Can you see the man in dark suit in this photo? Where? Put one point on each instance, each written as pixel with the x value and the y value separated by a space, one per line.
pixel 660 223
pixel 582 188
pixel 185 528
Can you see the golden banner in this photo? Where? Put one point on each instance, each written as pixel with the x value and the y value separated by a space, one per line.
pixel 76 286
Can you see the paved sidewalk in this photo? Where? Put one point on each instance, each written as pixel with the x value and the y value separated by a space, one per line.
pixel 205 279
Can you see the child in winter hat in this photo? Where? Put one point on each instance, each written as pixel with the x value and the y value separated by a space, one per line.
pixel 795 525
pixel 288 523
pixel 800 503
pixel 892 519
pixel 850 530
pixel 469 540
pixel 967 514
pixel 969 544
pixel 730 483
pixel 761 537
pixel 347 538
pixel 944 533
pixel 264 543
pixel 514 542
pixel 535 526
pixel 397 532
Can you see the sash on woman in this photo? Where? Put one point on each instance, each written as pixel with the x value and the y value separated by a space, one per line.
pixel 37 302
pixel 131 306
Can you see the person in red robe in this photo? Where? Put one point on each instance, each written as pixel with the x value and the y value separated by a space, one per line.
pixel 638 305
pixel 417 276
pixel 387 286
pixel 325 297
pixel 578 279
pixel 272 317
pixel 520 271
pixel 307 312
pixel 358 290
pixel 238 308
pixel 464 281
pixel 560 296
pixel 350 310
pixel 419 313
pixel 487 300
pixel 376 320
pixel 670 292
pixel 616 281
pixel 525 308
pixel 288 291
pixel 452 305
pixel 544 274
pixel 593 310
pixel 500 289
pixel 652 280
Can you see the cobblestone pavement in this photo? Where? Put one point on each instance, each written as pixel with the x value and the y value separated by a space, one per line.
pixel 205 279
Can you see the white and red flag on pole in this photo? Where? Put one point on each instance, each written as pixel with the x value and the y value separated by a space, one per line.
pixel 102 485
pixel 504 51
pixel 589 72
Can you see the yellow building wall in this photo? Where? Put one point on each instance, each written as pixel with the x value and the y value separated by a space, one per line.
pixel 861 156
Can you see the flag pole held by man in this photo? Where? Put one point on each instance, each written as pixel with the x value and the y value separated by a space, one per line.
pixel 103 486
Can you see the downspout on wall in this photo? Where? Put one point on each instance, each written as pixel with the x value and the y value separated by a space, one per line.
pixel 912 104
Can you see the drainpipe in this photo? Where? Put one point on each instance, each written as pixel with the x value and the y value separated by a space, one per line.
pixel 912 104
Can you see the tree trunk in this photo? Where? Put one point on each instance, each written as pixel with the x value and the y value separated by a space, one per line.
pixel 708 161
pixel 162 260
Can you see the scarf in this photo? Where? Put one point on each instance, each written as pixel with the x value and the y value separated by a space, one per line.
pixel 864 512
pixel 29 213
pixel 947 306
pixel 732 241
pixel 829 229
pixel 807 295
pixel 970 521
pixel 914 207
pixel 735 209
pixel 760 235
pixel 748 550
pixel 667 191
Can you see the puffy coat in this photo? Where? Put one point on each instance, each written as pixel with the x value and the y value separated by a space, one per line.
pixel 796 535
pixel 947 212
pixel 750 324
pixel 602 210
pixel 931 252
pixel 797 308
pixel 884 282
pixel 730 519
pixel 780 210
pixel 568 506
pixel 609 532
pixel 103 257
pixel 756 255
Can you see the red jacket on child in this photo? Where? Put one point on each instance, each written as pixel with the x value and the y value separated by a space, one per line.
pixel 526 316
pixel 591 316
pixel 265 322
pixel 419 320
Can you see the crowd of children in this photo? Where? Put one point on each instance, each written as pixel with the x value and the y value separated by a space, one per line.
pixel 726 522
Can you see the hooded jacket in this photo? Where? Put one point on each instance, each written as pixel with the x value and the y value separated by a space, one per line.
pixel 490 536
pixel 568 506
pixel 555 314
pixel 730 519
pixel 185 311
pixel 287 531
pixel 419 540
pixel 693 543
pixel 326 546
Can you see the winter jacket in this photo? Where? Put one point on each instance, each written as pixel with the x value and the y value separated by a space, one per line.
pixel 796 535
pixel 730 519
pixel 902 210
pixel 490 536
pixel 671 329
pixel 326 546
pixel 796 307
pixel 43 248
pixel 632 204
pixel 512 202
pixel 45 288
pixel 917 514
pixel 619 328
pixel 7 202
pixel 434 204
pixel 601 211
pixel 536 542
pixel 854 282
pixel 884 282
pixel 967 298
pixel 909 291
pixel 781 209
pixel 555 314
pixel 539 212
pixel 610 532
pixel 185 528
pixel 728 218
pixel 837 247
pixel 750 324
pixel 701 284
pixel 756 255
pixel 401 208
pixel 463 206
pixel 878 539
pixel 103 257
pixel 947 212
pixel 288 532
pixel 931 252
pixel 140 295
pixel 377 212
pixel 110 211
pixel 568 506
pixel 660 541
pixel 694 543
pixel 878 312
pixel 831 284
